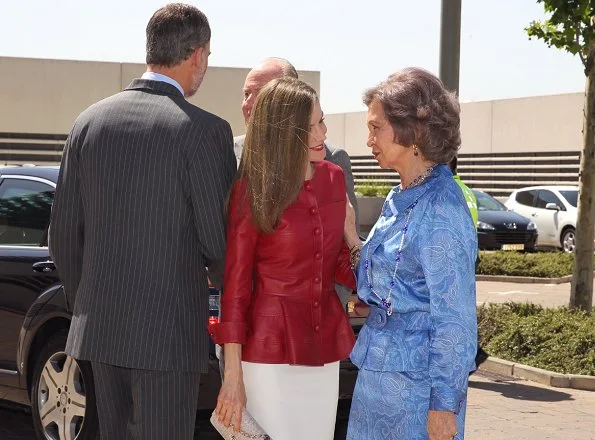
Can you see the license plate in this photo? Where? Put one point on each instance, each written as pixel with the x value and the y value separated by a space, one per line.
pixel 513 247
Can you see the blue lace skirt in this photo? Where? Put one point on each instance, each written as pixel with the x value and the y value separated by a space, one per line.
pixel 393 406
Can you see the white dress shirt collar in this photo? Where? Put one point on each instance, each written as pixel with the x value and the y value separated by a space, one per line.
pixel 163 78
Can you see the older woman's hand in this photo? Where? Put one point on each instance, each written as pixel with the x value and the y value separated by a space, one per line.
pixel 442 425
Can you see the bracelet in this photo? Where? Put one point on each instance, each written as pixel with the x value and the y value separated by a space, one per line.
pixel 354 256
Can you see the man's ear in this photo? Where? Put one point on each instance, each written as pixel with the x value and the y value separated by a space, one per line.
pixel 196 57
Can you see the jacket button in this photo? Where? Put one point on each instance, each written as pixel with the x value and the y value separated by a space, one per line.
pixel 318 256
pixel 308 186
pixel 313 211
pixel 317 280
pixel 316 303
pixel 316 231
pixel 317 328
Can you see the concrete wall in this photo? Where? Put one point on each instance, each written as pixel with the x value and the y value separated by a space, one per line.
pixel 46 96
pixel 535 124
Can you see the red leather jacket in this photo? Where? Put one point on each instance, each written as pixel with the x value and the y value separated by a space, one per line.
pixel 279 297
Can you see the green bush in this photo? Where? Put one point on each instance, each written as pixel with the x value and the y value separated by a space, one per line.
pixel 559 340
pixel 373 189
pixel 540 264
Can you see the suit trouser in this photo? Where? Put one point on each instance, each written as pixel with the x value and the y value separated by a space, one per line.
pixel 144 404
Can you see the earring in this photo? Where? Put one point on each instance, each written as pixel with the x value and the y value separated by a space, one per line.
pixel 415 151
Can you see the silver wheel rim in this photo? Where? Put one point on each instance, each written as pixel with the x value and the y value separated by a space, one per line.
pixel 568 241
pixel 61 398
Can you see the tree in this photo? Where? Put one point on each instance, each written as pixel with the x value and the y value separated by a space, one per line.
pixel 570 27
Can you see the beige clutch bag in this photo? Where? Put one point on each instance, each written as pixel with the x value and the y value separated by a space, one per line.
pixel 251 430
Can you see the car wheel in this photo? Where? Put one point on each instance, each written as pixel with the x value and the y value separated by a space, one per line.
pixel 568 240
pixel 62 395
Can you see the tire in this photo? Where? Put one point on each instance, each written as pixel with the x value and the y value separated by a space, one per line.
pixel 63 393
pixel 568 240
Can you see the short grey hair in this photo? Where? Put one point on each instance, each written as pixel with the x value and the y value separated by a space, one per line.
pixel 174 32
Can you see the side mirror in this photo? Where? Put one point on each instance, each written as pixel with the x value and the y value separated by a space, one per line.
pixel 552 206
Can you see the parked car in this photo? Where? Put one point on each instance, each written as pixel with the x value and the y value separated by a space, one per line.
pixel 554 211
pixel 34 319
pixel 500 228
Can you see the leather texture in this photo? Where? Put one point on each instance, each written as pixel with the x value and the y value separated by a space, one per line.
pixel 279 298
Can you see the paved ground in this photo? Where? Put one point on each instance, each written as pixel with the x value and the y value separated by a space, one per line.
pixel 502 408
pixel 548 295
pixel 499 408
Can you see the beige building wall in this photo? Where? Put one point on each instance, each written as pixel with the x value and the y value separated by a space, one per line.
pixel 46 96
pixel 535 124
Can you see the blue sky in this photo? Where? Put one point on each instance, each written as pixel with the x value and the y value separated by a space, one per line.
pixel 354 44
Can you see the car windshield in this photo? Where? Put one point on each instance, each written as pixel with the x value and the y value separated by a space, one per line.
pixel 488 203
pixel 571 196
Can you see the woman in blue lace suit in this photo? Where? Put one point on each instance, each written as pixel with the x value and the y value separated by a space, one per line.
pixel 416 271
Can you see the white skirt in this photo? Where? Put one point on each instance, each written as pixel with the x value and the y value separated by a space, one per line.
pixel 292 402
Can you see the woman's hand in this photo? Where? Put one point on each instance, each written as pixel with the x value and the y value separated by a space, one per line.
pixel 232 396
pixel 349 229
pixel 442 425
pixel 231 401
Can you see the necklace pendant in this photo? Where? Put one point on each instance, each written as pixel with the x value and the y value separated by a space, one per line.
pixel 389 311
pixel 388 306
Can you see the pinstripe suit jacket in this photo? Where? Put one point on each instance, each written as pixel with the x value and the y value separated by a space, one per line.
pixel 138 214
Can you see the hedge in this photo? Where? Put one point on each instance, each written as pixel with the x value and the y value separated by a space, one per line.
pixel 559 340
pixel 539 264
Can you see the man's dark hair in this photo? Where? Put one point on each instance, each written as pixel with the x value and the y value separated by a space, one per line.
pixel 453 165
pixel 174 32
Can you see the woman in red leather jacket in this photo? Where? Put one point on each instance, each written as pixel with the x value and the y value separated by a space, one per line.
pixel 282 325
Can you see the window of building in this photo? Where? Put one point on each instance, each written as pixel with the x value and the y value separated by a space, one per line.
pixel 25 207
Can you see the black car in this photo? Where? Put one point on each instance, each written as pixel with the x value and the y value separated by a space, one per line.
pixel 500 228
pixel 34 319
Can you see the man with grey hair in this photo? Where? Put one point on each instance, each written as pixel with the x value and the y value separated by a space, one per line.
pixel 268 70
pixel 138 216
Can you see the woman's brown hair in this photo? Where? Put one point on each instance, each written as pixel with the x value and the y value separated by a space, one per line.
pixel 275 154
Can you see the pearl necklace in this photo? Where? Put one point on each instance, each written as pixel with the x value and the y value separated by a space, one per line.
pixel 387 302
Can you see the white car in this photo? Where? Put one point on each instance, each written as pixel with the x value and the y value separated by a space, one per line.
pixel 552 209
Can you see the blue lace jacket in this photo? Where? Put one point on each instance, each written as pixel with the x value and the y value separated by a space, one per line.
pixel 433 327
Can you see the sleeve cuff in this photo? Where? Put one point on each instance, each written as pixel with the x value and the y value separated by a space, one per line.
pixel 446 399
pixel 228 332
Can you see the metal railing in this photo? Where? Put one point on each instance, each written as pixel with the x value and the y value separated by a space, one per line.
pixel 497 174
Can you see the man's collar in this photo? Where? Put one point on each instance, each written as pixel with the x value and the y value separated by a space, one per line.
pixel 155 86
pixel 154 76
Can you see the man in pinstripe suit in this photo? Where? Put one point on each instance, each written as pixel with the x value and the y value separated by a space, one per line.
pixel 138 214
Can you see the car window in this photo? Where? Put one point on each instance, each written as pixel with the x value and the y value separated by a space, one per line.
pixel 571 196
pixel 25 207
pixel 486 202
pixel 544 197
pixel 526 197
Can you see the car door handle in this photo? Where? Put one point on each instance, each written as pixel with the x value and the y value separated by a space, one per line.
pixel 44 266
pixel 534 214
